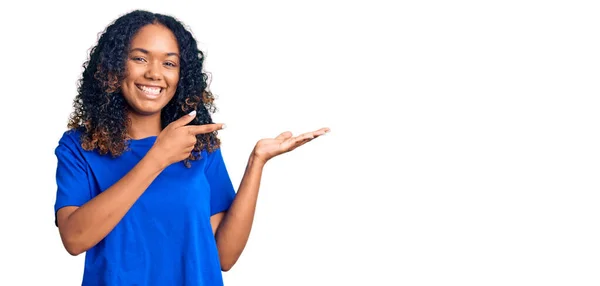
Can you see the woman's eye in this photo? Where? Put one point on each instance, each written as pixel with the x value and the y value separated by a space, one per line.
pixel 139 59
pixel 170 64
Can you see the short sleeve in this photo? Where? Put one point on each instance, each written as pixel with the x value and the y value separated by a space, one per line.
pixel 71 176
pixel 222 192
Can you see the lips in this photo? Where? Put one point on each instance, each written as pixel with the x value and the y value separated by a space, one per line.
pixel 149 90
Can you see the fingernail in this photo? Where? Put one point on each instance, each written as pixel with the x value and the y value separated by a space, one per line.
pixel 223 126
pixel 193 113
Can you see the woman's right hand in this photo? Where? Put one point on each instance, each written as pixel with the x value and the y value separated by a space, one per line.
pixel 176 141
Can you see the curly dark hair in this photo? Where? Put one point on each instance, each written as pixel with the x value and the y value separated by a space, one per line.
pixel 100 110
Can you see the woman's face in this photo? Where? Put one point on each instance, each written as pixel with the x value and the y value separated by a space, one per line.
pixel 152 68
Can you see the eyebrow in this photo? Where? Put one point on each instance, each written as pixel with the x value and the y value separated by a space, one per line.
pixel 147 52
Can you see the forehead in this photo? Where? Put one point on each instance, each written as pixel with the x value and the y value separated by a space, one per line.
pixel 155 38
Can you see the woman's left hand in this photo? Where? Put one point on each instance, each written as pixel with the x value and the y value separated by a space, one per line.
pixel 268 148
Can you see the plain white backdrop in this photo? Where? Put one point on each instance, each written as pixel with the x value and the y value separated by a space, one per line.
pixel 464 147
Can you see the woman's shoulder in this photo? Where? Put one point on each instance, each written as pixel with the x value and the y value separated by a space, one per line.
pixel 71 139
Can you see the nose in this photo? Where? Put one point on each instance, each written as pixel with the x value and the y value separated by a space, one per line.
pixel 153 71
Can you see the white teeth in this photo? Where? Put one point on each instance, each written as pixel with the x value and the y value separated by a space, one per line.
pixel 150 90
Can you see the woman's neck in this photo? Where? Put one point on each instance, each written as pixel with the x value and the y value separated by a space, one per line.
pixel 142 126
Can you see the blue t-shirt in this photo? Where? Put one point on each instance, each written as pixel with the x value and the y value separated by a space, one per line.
pixel 166 237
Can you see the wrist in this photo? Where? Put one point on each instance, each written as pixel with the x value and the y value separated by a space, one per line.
pixel 256 160
pixel 154 157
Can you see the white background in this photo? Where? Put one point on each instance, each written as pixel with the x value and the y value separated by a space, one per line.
pixel 464 147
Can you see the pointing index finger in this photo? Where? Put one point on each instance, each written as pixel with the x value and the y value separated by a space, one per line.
pixel 204 128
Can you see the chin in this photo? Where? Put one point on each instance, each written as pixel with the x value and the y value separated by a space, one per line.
pixel 146 110
pixel 144 106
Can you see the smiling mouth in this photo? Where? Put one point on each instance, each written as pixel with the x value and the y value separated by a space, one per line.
pixel 152 91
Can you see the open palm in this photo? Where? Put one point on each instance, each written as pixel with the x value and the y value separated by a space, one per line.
pixel 270 147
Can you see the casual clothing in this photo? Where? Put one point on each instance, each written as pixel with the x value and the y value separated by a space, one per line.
pixel 166 237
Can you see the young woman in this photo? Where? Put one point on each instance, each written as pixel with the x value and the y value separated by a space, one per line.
pixel 142 186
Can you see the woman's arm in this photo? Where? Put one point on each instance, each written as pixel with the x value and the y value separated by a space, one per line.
pixel 232 228
pixel 83 227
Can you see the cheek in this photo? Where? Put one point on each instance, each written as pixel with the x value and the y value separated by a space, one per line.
pixel 131 73
pixel 173 79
